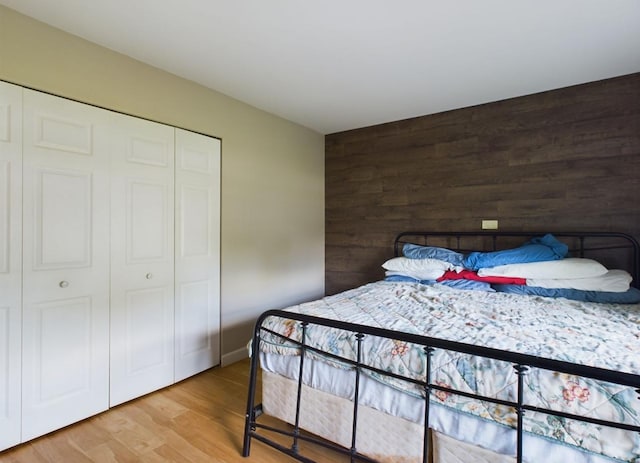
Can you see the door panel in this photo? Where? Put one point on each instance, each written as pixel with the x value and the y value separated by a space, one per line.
pixel 198 253
pixel 142 264
pixel 196 222
pixel 64 342
pixel 58 132
pixel 147 150
pixel 146 350
pixel 147 218
pixel 9 163
pixel 10 263
pixel 65 262
pixel 195 301
pixel 62 213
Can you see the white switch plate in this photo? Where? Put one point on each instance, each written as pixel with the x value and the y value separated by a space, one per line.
pixel 489 224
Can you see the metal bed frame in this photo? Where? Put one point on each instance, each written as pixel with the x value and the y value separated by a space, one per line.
pixel 521 362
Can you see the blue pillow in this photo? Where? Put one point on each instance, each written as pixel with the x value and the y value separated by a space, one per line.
pixel 458 284
pixel 540 249
pixel 632 296
pixel 408 279
pixel 414 251
pixel 468 285
pixel 558 247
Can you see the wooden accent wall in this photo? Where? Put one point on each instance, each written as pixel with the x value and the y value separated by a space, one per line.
pixel 566 159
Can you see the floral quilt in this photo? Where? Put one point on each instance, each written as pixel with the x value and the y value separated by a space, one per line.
pixel 600 335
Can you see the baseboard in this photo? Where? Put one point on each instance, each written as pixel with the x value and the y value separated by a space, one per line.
pixel 235 356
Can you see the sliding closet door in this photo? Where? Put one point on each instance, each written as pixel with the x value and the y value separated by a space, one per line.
pixel 142 280
pixel 10 263
pixel 65 262
pixel 197 253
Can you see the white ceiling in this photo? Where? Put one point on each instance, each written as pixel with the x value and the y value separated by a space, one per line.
pixel 334 65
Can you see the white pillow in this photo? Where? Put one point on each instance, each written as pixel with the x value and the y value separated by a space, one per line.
pixel 614 281
pixel 571 267
pixel 420 269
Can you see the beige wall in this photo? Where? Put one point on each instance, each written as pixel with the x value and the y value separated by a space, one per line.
pixel 272 170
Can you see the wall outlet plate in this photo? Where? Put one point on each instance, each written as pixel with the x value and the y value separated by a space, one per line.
pixel 489 224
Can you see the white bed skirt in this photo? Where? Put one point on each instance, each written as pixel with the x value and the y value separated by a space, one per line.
pixel 386 438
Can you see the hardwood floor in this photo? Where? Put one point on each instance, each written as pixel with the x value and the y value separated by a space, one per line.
pixel 200 419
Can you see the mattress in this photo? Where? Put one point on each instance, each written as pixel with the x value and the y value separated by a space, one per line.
pixel 538 326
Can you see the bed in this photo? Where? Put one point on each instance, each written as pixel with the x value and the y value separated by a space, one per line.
pixel 520 360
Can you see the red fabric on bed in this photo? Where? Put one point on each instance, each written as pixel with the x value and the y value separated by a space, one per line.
pixel 471 275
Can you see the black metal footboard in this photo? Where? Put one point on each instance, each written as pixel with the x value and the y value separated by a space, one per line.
pixel 521 364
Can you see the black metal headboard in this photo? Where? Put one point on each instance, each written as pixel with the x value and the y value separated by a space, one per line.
pixel 613 250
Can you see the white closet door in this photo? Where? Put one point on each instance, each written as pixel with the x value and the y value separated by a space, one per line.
pixel 142 270
pixel 65 263
pixel 10 263
pixel 197 253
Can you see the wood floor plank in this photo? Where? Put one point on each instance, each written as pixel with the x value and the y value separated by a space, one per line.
pixel 22 454
pixel 181 446
pixel 58 447
pixel 111 452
